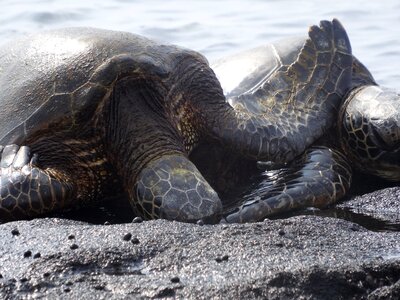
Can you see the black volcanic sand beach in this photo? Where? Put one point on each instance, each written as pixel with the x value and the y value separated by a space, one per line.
pixel 304 256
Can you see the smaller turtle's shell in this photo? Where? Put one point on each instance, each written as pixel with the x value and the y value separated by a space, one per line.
pixel 256 65
pixel 63 75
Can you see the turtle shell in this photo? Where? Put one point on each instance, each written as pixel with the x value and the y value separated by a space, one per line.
pixel 256 65
pixel 62 76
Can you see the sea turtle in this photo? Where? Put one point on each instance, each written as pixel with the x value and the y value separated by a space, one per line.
pixel 89 113
pixel 364 134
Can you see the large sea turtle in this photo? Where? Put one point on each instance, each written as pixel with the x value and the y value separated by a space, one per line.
pixel 364 136
pixel 88 113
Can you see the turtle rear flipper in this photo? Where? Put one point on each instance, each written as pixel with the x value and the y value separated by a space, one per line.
pixel 295 103
pixel 316 179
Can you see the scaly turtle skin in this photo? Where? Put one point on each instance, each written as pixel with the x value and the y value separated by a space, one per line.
pixel 89 113
pixel 364 134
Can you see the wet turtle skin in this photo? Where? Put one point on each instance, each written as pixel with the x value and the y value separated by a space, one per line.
pixel 364 136
pixel 89 113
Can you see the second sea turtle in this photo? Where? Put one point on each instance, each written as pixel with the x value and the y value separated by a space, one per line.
pixel 363 135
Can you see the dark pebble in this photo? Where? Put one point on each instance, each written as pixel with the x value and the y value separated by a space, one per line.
pixel 27 253
pixel 175 279
pixel 1 276
pixel 74 246
pixel 23 279
pixel 279 244
pixel 223 258
pixel 137 220
pixel 200 222
pixel 47 274
pixel 107 223
pixel 99 287
pixel 15 232
pixel 37 255
pixel 71 237
pixel 127 237
pixel 67 290
pixel 68 283
pixel 281 232
pixel 135 241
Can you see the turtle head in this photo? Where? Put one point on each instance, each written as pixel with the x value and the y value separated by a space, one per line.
pixel 371 130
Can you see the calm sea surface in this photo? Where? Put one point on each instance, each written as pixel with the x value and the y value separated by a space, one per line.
pixel 220 27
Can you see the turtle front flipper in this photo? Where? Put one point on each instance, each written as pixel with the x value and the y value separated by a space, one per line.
pixel 318 178
pixel 171 187
pixel 25 189
pixel 150 156
pixel 52 175
pixel 294 104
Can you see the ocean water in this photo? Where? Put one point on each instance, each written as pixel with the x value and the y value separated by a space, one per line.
pixel 220 27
